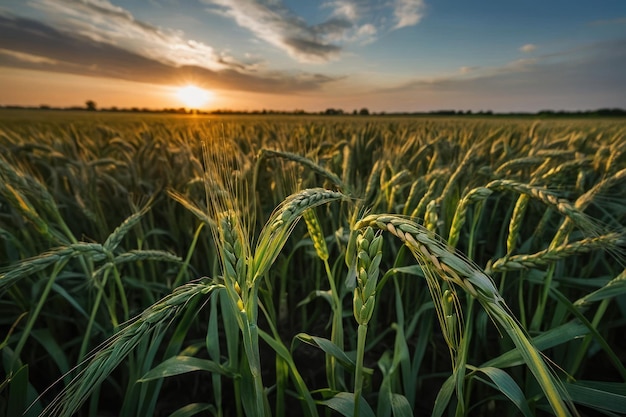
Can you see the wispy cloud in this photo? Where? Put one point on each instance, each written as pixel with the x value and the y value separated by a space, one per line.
pixel 25 58
pixel 272 22
pixel 347 9
pixel 529 47
pixel 466 70
pixel 349 21
pixel 30 44
pixel 549 81
pixel 104 22
pixel 364 28
pixel 408 12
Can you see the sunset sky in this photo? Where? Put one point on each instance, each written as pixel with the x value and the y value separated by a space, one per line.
pixel 386 55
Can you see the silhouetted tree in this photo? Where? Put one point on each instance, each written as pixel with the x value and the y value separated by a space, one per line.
pixel 364 111
pixel 91 105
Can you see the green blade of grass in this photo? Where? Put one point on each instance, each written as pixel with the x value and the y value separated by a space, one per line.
pixel 550 338
pixel 330 348
pixel 343 403
pixel 309 404
pixel 18 392
pixel 400 406
pixel 550 385
pixel 506 385
pixel 193 409
pixel 444 396
pixel 177 365
pixel 599 395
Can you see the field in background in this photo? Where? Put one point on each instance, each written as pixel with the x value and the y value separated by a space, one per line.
pixel 126 247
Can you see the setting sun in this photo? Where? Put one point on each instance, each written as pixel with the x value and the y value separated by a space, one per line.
pixel 192 96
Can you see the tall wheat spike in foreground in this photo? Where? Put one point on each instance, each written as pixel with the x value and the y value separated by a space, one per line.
pixel 438 260
pixel 244 263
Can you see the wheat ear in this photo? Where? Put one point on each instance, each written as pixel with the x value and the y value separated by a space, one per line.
pixel 100 364
pixel 369 255
pixel 610 241
pixel 433 254
pixel 278 228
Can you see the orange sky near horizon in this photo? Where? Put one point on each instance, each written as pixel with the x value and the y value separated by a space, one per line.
pixel 66 90
pixel 286 55
pixel 27 87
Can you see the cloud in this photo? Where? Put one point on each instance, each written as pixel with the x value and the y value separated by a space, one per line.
pixel 366 33
pixel 466 70
pixel 18 57
pixel 408 12
pixel 347 9
pixel 529 47
pixel 277 25
pixel 551 81
pixel 349 21
pixel 30 44
pixel 104 22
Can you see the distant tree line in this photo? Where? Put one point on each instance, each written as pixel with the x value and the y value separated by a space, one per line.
pixel 91 105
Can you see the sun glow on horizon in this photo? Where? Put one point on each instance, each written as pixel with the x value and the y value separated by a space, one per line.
pixel 193 96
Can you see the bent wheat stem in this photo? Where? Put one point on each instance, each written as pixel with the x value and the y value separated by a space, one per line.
pixel 100 364
pixel 439 261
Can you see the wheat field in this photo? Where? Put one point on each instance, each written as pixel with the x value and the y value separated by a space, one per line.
pixel 157 265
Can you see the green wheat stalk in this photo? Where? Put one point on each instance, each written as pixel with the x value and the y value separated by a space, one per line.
pixel 452 268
